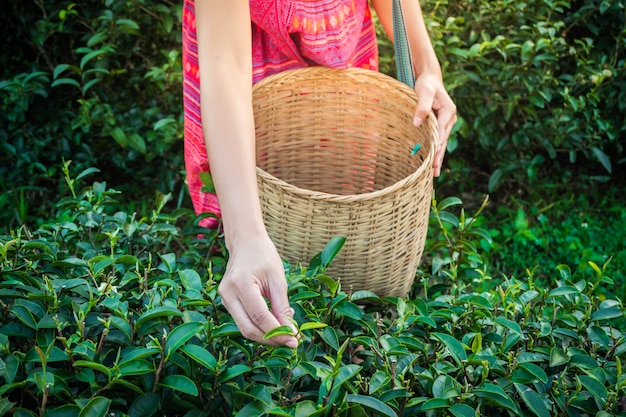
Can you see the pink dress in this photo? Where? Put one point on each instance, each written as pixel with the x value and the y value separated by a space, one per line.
pixel 286 34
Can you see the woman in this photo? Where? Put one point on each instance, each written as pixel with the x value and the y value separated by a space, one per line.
pixel 229 45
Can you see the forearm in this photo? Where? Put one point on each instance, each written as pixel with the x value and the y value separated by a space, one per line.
pixel 424 56
pixel 229 136
pixel 224 54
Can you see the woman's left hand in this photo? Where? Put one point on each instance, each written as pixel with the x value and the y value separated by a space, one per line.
pixel 432 96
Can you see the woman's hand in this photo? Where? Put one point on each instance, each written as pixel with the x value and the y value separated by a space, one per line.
pixel 432 96
pixel 255 273
pixel 429 87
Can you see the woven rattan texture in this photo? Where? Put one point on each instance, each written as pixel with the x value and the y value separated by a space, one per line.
pixel 334 158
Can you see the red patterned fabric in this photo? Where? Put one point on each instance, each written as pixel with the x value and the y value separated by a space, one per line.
pixel 286 34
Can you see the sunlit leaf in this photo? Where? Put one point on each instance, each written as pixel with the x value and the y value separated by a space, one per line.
pixel 331 250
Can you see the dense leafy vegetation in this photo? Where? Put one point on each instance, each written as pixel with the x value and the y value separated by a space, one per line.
pixel 110 313
pixel 540 85
pixel 97 82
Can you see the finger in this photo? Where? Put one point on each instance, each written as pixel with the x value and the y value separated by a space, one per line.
pixel 283 312
pixel 260 319
pixel 446 118
pixel 235 307
pixel 239 314
pixel 425 98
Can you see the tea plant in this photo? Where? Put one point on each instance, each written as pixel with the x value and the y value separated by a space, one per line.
pixel 110 313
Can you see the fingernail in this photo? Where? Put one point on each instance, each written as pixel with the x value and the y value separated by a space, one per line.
pixel 417 121
pixel 292 344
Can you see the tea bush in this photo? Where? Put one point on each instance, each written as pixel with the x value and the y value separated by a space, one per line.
pixel 574 229
pixel 97 82
pixel 540 86
pixel 112 313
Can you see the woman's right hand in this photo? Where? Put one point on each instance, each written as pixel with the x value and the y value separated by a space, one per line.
pixel 253 275
pixel 255 271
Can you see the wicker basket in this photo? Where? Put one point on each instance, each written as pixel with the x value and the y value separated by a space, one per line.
pixel 335 156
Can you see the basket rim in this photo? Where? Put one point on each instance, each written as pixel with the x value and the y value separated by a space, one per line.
pixel 430 122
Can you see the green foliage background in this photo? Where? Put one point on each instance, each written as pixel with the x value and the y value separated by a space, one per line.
pixel 96 82
pixel 539 85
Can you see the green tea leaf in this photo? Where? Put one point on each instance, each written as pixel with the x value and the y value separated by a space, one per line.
pixel 128 24
pixel 253 409
pixel 305 408
pixel 598 335
pixel 65 81
pixel 364 295
pixel 304 295
pixel 190 279
pixel 536 371
pixel 136 367
pixel 331 250
pixel 91 55
pixel 462 410
pixel 132 353
pixel 67 410
pixel 226 330
pixel 444 388
pixel 607 313
pixel 495 180
pixel 96 407
pixel 564 290
pixel 533 401
pixel 454 346
pixel 233 372
pixel 162 311
pixel 5 406
pixel 378 381
pixel 595 388
pixel 122 325
pixel 351 310
pixel 602 158
pixel 180 383
pixel 511 325
pixel 180 335
pixel 128 385
pixel 477 300
pixel 372 404
pixel 583 361
pixel 346 373
pixel 496 395
pixel 201 356
pixel 434 403
pixel 93 365
pixel 310 325
pixel 278 331
pixel 24 315
pixel 448 202
pixel 332 284
pixel 144 405
pixel 329 335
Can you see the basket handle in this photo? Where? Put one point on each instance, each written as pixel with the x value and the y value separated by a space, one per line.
pixel 404 60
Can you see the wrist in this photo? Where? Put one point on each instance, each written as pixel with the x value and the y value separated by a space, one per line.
pixel 429 66
pixel 240 230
